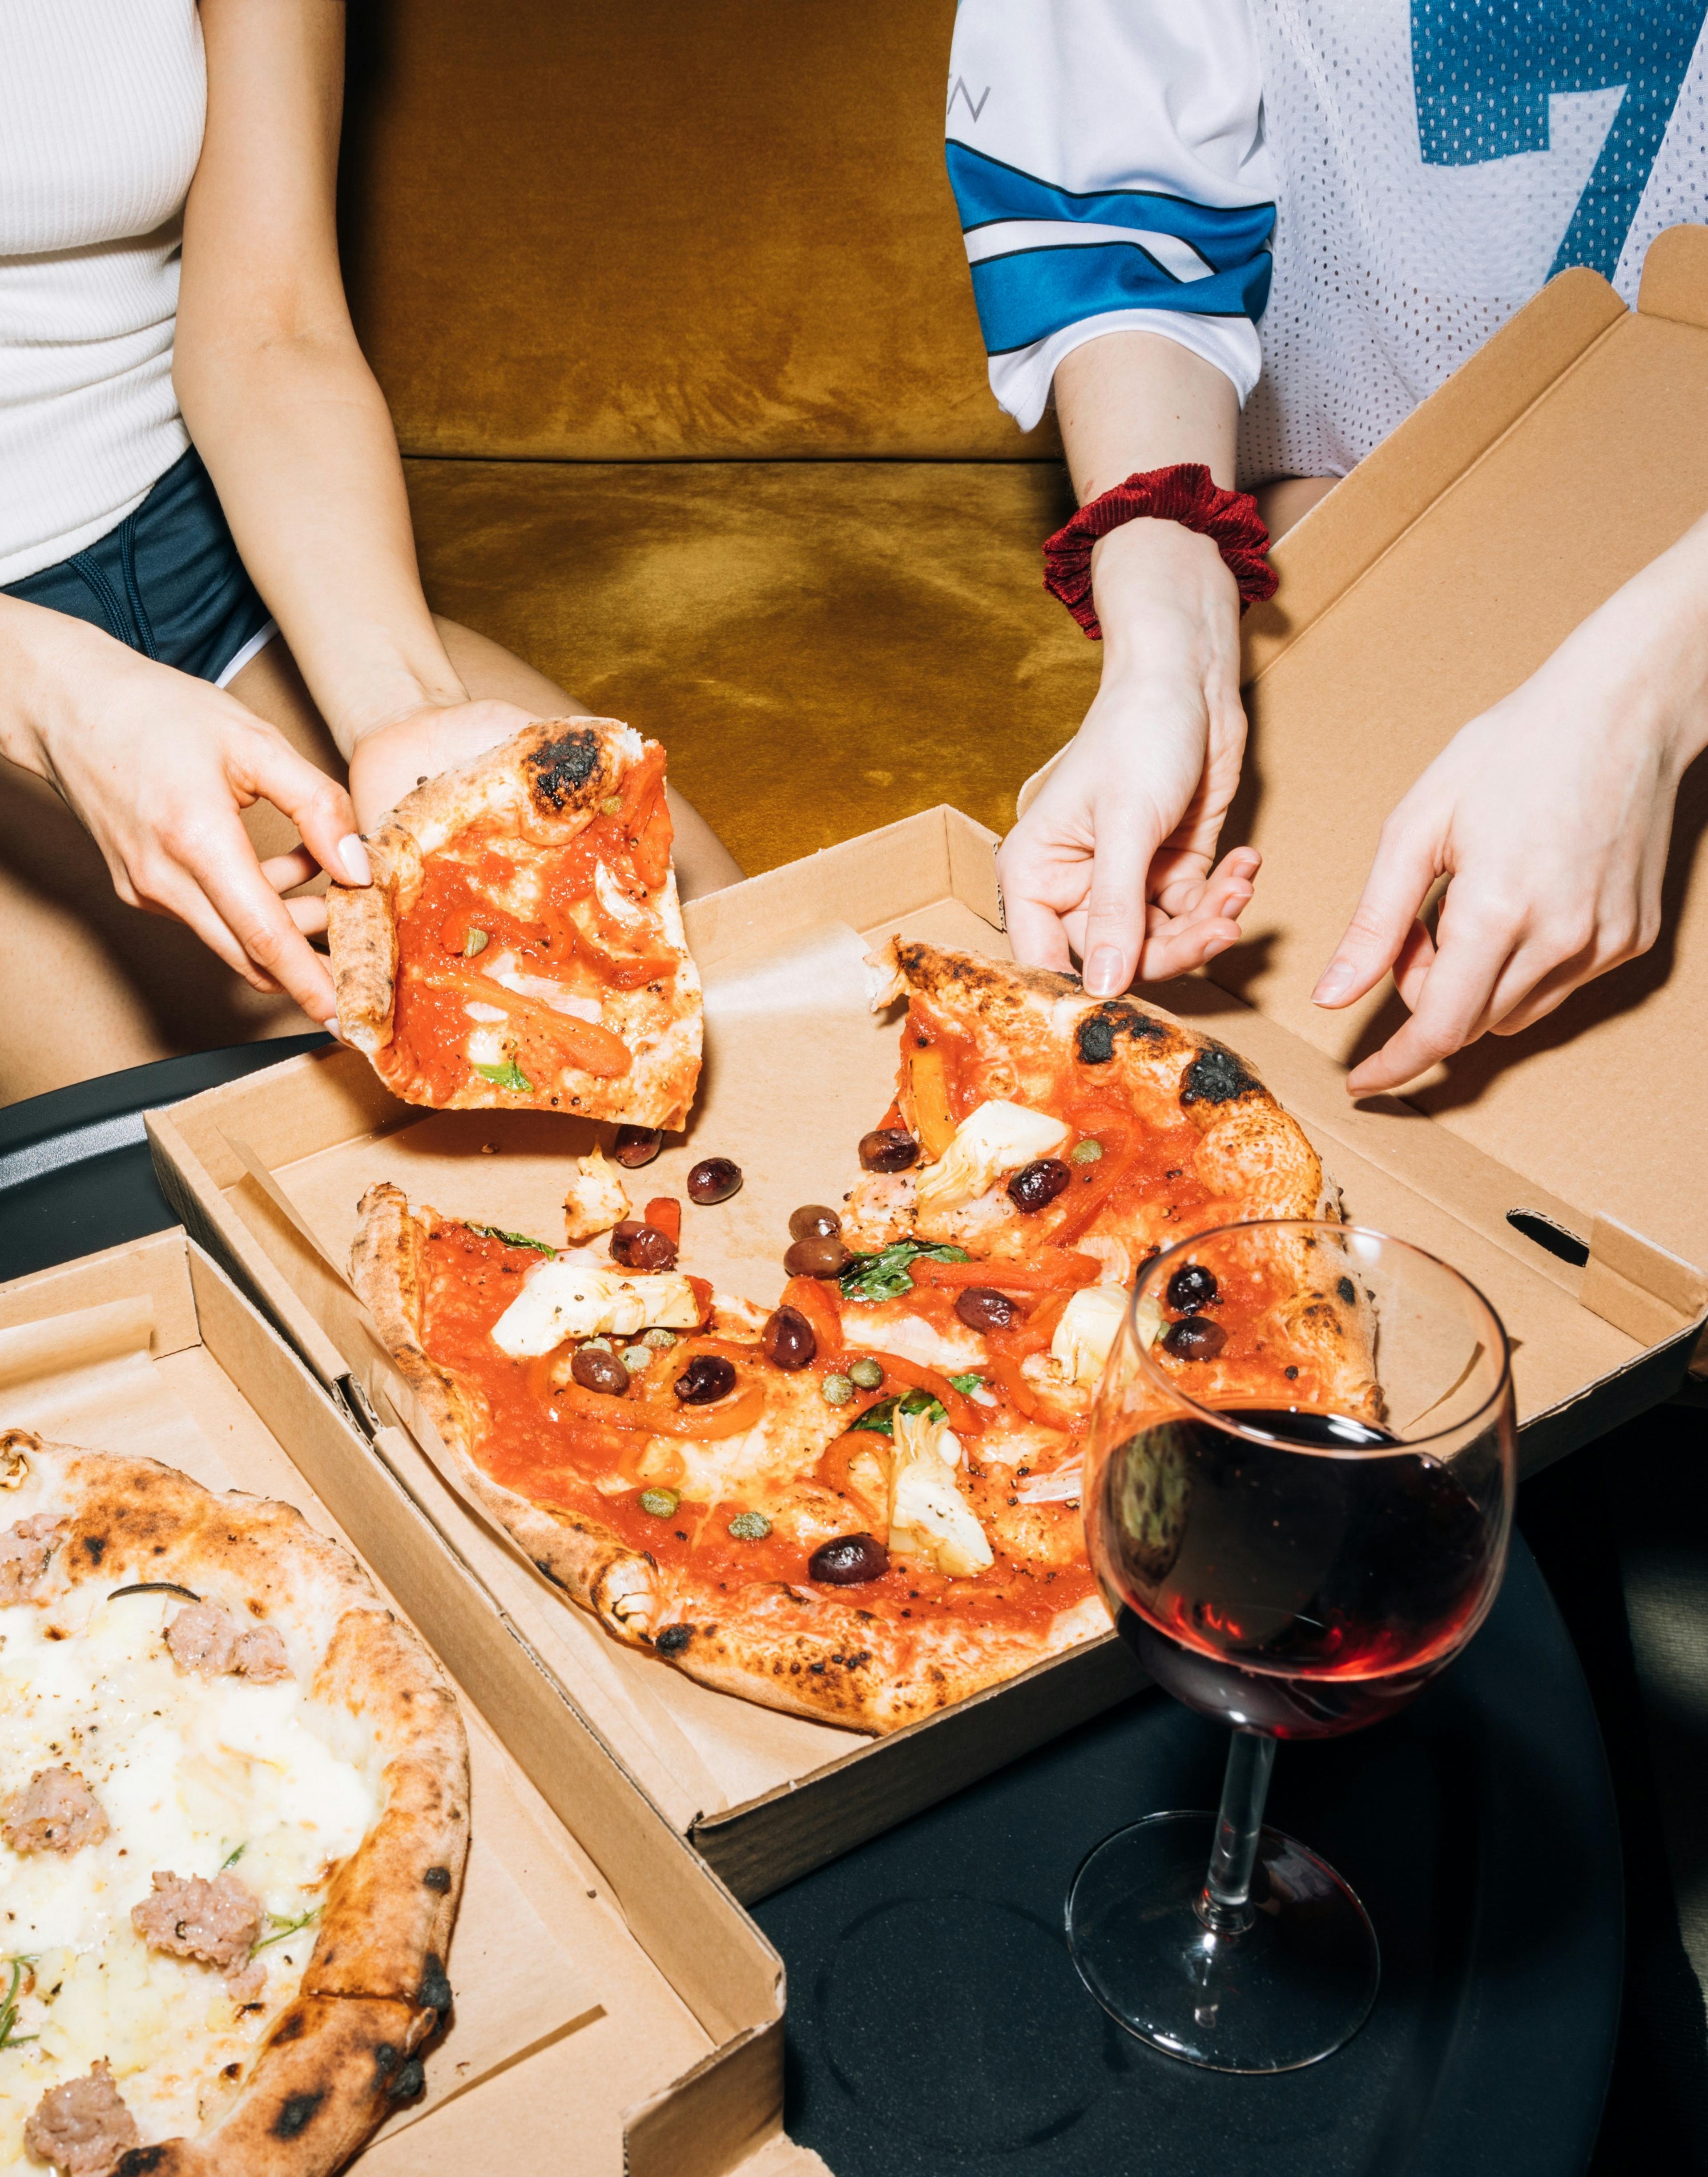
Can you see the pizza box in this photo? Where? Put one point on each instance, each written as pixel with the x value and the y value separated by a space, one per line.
pixel 1428 583
pixel 616 2012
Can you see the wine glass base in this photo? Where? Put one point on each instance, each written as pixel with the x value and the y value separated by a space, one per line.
pixel 1288 1991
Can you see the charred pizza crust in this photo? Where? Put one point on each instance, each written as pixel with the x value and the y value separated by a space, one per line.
pixel 544 786
pixel 342 2052
pixel 784 1645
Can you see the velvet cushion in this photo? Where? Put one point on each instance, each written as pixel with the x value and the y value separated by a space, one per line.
pixel 583 231
pixel 823 647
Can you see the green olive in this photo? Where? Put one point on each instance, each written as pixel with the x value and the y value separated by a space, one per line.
pixel 750 1526
pixel 868 1374
pixel 836 1390
pixel 1085 1152
pixel 660 1502
pixel 661 1339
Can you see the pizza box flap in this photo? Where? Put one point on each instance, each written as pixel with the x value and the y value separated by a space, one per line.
pixel 660 2055
pixel 1439 575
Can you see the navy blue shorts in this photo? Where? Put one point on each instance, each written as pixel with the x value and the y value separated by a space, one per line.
pixel 167 581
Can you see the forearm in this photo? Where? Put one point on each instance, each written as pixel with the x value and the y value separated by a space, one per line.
pixel 40 655
pixel 295 435
pixel 1650 639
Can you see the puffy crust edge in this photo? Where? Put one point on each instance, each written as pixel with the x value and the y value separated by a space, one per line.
pixel 593 1565
pixel 375 1985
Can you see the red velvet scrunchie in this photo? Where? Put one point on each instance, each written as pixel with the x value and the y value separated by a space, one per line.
pixel 1186 493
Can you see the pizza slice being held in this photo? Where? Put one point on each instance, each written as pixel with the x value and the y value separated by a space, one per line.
pixel 521 944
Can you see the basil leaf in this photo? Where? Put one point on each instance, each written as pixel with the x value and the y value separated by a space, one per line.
pixel 508 1076
pixel 967 1384
pixel 884 1275
pixel 881 1418
pixel 514 1240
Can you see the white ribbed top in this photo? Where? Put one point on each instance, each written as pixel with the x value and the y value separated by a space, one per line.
pixel 102 104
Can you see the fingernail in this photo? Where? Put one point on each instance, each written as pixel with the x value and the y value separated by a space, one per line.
pixel 1216 944
pixel 354 856
pixel 1102 977
pixel 1337 980
pixel 331 1026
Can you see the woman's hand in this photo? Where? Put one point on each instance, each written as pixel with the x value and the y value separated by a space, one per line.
pixel 1114 859
pixel 392 760
pixel 157 765
pixel 1550 817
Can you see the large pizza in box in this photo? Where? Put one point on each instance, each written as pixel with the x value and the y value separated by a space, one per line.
pixel 862 1503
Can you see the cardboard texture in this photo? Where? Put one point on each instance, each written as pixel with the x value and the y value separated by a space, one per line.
pixel 571 2032
pixel 1540 477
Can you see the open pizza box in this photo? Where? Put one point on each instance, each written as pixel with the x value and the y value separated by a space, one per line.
pixel 616 2011
pixel 1425 586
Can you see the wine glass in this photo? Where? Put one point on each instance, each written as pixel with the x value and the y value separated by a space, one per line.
pixel 1296 1564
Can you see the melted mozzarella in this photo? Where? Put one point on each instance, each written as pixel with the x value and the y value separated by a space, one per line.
pixel 188 1772
pixel 548 993
pixel 609 897
pixel 927 1513
pixel 487 1045
pixel 569 1298
pixel 994 1139
pixel 1087 1330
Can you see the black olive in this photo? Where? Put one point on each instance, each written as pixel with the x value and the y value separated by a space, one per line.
pixel 848 1560
pixel 980 1307
pixel 640 1246
pixel 788 1339
pixel 707 1377
pixel 1035 1186
pixel 813 1220
pixel 596 1370
pixel 821 1257
pixel 714 1179
pixel 1194 1338
pixel 637 1145
pixel 1193 1287
pixel 887 1149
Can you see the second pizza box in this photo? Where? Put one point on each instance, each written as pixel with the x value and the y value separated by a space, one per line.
pixel 616 2012
pixel 1418 592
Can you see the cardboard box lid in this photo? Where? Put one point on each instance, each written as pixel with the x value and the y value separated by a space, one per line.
pixel 1566 456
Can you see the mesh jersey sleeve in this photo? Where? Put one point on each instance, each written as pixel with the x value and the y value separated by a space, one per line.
pixel 1108 158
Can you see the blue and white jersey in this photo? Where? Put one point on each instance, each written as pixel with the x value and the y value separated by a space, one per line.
pixel 1336 202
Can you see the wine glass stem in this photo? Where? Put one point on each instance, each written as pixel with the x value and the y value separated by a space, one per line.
pixel 1224 1904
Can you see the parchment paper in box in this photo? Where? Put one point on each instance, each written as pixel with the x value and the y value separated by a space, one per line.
pixel 663 2080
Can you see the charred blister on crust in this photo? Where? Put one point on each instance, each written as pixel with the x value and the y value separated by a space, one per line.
pixel 1093 1037
pixel 438 1879
pixel 563 765
pixel 296 2113
pixel 673 1639
pixel 434 1993
pixel 1215 1075
pixel 409 2082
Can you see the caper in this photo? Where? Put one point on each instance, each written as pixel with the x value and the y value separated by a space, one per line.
pixel 1035 1186
pixel 599 1345
pixel 981 1308
pixel 612 806
pixel 714 1179
pixel 660 1502
pixel 848 1560
pixel 635 1146
pixel 1194 1338
pixel 662 1339
pixel 707 1375
pixel 640 1246
pixel 814 1220
pixel 476 943
pixel 788 1339
pixel 836 1390
pixel 867 1373
pixel 887 1149
pixel 598 1369
pixel 635 1357
pixel 1193 1287
pixel 823 1255
pixel 1086 1152
pixel 750 1526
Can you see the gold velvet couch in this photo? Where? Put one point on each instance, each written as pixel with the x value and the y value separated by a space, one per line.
pixel 670 303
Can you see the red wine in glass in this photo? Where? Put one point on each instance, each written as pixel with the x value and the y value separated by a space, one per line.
pixel 1294 1571
pixel 1280 1591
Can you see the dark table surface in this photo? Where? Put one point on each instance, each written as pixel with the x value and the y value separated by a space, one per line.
pixel 75 1176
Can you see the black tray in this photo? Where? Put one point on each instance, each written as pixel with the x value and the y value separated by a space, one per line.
pixel 936 2025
